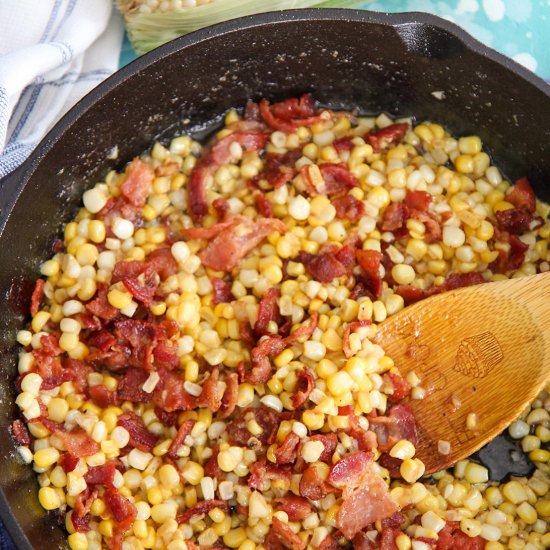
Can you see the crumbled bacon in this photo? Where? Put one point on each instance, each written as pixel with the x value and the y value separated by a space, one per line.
pixel 297 508
pixel 522 196
pixel 273 345
pixel 343 144
pixel 312 485
pixel 281 537
pixel 81 524
pixel 140 437
pixel 201 509
pixel 230 395
pixel 20 433
pixel 351 327
pixel 288 115
pixel 268 311
pixel 211 395
pixel 401 388
pixel 103 397
pixel 142 292
pixel 218 153
pixel 212 468
pixel 124 514
pixel 279 168
pixel 169 393
pixel 83 503
pixel 452 538
pixel 263 205
pixel 348 207
pixel 222 290
pixel 394 217
pixel 365 496
pixel 100 306
pixel 305 385
pixel 323 267
pixel 262 471
pixel 398 424
pixel 77 442
pixel 517 221
pixel 287 452
pixel 418 200
pixel 267 418
pixel 37 295
pixel 384 137
pixel 167 169
pixel 68 462
pixel 162 262
pixel 183 431
pixel 338 179
pixel 234 240
pixel 433 227
pixel 130 386
pixel 101 475
pixel 513 259
pixel 136 184
pixel 370 279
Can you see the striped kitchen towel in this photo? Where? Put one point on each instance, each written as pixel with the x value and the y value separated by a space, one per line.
pixel 52 53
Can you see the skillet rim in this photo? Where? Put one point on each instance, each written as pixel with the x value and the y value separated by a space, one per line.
pixel 12 185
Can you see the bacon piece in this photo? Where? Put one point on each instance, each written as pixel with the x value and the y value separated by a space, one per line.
pixel 81 525
pixel 236 240
pixel 77 442
pixel 263 205
pixel 348 207
pixel 101 475
pixel 323 267
pixel 211 468
pixel 288 115
pixel 169 393
pixel 88 322
pixel 399 424
pixel 100 306
pixel 130 386
pixel 142 292
pixel 268 310
pixel 273 345
pixel 329 441
pixel 218 153
pixel 167 169
pixel 267 418
pixel 351 327
pixel 343 144
pixel 384 137
pixel 50 345
pixel 279 168
pixel 168 419
pixel 305 385
pixel 20 433
pixel 522 196
pixel 452 538
pixel 83 503
pixel 68 462
pixel 140 437
pixel 394 217
pixel 136 184
pixel 366 439
pixel 281 537
pixel 312 485
pixel 433 227
pixel 37 295
pixel 207 233
pixel 364 503
pixel 230 395
pixel 337 178
pixel 287 452
pixel 162 261
pixel 183 431
pixel 262 470
pixel 211 396
pixel 401 388
pixel 297 508
pixel 124 514
pixel 517 221
pixel 362 542
pixel 102 397
pixel 350 469
pixel 370 260
pixel 252 111
pixel 418 200
pixel 222 290
pixel 202 508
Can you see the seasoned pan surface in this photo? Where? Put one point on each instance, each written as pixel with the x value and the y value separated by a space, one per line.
pixel 406 64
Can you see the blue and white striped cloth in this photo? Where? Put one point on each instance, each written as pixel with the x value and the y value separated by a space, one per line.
pixel 52 52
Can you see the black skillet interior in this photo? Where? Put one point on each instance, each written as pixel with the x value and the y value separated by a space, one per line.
pixel 350 59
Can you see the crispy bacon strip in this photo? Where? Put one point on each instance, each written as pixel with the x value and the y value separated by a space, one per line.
pixel 288 115
pixel 136 184
pixel 201 508
pixel 183 431
pixel 351 327
pixel 281 537
pixel 306 383
pixel 37 295
pixel 522 195
pixel 384 137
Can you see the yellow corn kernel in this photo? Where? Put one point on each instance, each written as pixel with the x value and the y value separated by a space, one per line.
pixel 193 472
pixel 235 537
pixel 502 205
pixel 118 298
pixel 313 420
pixel 339 383
pixel 39 320
pixel 78 541
pixel 44 458
pixel 96 231
pixel 48 498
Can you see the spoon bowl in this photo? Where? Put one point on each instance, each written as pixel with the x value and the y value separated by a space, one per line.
pixel 482 354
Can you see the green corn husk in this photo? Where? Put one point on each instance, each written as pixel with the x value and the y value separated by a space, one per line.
pixel 148 31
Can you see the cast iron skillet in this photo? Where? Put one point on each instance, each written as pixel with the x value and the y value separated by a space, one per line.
pixel 377 62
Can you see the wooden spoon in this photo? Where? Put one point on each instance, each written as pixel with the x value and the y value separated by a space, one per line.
pixel 483 350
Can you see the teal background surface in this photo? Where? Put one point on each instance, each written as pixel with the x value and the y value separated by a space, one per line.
pixel 517 28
